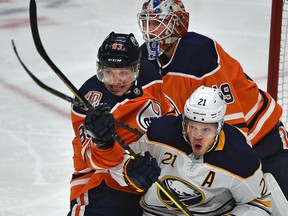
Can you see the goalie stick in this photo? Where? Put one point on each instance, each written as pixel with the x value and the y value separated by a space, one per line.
pixel 82 100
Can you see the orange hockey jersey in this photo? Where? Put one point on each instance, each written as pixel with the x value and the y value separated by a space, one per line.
pixel 198 60
pixel 144 101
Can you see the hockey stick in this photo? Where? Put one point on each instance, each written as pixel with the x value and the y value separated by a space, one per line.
pixel 42 52
pixel 45 87
pixel 66 97
pixel 82 106
pixel 82 99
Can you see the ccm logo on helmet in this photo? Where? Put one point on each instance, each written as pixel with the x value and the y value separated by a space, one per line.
pixel 114 60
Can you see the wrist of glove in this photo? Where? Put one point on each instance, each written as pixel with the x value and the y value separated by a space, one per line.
pixel 142 172
pixel 99 125
pixel 103 145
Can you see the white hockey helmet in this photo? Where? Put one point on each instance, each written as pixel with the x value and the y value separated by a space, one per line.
pixel 206 105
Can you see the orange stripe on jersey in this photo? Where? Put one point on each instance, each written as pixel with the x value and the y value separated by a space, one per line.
pixel 283 135
pixel 79 209
pixel 80 185
pixel 94 157
pixel 248 108
pixel 90 162
pixel 263 117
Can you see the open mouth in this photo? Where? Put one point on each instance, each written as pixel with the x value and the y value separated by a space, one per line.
pixel 197 147
pixel 116 88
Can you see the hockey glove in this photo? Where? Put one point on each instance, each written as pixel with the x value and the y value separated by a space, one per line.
pixel 142 172
pixel 100 126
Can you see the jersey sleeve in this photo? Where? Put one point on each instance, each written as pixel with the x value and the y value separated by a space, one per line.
pixel 261 111
pixel 85 152
pixel 246 190
pixel 93 165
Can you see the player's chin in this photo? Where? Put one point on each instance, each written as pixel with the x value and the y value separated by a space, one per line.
pixel 119 89
pixel 198 149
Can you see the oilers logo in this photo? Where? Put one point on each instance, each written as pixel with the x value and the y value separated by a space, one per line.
pixel 151 110
pixel 186 193
pixel 172 104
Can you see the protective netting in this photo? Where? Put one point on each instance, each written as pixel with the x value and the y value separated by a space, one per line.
pixel 283 66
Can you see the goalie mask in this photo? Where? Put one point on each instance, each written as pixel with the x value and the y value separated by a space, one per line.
pixel 206 105
pixel 118 51
pixel 162 22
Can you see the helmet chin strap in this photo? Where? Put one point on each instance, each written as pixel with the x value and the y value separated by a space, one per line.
pixel 215 142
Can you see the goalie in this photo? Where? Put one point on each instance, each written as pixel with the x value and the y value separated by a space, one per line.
pixel 187 60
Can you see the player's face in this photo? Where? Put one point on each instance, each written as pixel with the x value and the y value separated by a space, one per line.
pixel 118 80
pixel 201 136
pixel 156 29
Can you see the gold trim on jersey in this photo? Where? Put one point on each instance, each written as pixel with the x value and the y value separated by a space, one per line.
pixel 221 141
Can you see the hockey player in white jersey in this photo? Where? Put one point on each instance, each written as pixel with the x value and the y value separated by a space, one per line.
pixel 208 164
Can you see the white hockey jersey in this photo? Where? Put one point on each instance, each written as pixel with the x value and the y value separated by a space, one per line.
pixel 227 176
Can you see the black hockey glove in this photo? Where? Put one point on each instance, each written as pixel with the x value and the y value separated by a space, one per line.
pixel 100 126
pixel 142 172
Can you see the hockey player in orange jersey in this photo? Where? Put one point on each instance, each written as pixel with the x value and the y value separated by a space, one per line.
pixel 134 93
pixel 187 60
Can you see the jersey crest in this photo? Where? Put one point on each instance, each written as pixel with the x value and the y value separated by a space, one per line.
pixel 172 103
pixel 151 109
pixel 186 192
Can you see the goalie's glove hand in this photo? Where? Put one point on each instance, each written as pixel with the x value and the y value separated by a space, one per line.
pixel 100 126
pixel 142 172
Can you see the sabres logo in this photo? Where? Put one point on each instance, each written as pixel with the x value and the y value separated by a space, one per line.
pixel 186 193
